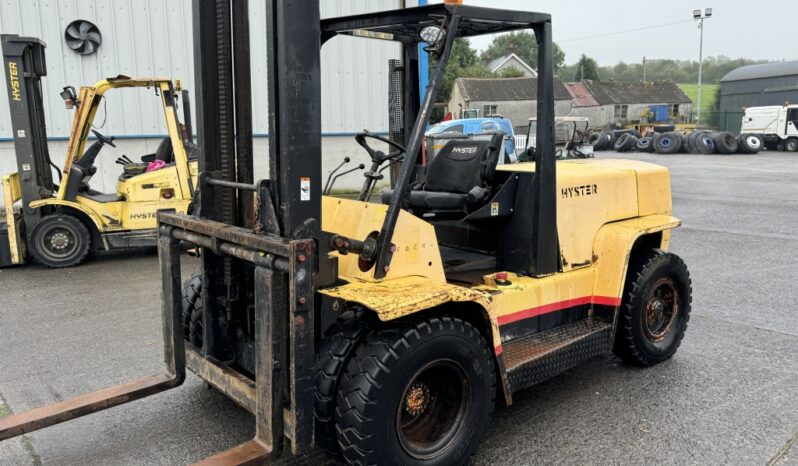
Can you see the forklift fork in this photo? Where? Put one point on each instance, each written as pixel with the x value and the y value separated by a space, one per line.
pixel 281 408
pixel 173 375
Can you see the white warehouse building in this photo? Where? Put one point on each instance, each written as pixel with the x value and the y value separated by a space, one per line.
pixel 154 38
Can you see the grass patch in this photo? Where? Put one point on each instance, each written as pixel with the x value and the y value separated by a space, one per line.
pixel 708 92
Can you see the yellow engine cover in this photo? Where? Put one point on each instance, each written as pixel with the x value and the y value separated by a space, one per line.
pixel 592 193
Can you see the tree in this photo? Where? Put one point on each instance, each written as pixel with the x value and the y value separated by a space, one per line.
pixel 524 45
pixel 680 71
pixel 463 63
pixel 510 73
pixel 586 68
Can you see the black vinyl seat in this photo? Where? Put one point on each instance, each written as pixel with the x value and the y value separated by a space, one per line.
pixel 459 178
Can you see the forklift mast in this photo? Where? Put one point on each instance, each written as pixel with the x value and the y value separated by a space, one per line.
pixel 24 65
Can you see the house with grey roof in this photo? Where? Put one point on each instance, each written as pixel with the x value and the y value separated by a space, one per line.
pixel 609 103
pixel 512 61
pixel 513 98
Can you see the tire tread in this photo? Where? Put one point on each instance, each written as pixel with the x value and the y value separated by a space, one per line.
pixel 371 362
pixel 625 346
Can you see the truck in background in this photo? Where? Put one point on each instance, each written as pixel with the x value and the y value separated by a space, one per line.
pixel 473 126
pixel 776 125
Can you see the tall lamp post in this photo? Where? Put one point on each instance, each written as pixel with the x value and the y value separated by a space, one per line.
pixel 700 17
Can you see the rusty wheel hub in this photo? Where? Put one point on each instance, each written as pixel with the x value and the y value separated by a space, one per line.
pixel 661 310
pixel 417 399
pixel 433 409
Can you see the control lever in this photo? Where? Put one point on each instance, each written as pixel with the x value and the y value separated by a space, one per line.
pixel 329 178
pixel 359 167
pixel 367 197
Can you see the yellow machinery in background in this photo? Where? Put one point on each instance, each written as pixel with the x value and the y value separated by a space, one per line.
pixel 60 223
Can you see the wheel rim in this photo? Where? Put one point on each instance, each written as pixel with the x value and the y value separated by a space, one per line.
pixel 433 409
pixel 59 242
pixel 753 142
pixel 661 310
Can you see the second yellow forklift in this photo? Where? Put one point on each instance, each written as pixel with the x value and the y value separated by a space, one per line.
pixel 58 222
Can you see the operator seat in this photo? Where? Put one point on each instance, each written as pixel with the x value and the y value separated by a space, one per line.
pixel 459 179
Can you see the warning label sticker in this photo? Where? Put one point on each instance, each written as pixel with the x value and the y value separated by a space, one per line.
pixel 494 209
pixel 304 189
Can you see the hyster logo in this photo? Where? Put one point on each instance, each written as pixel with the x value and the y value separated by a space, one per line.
pixel 465 150
pixel 13 79
pixel 143 216
pixel 464 153
pixel 577 191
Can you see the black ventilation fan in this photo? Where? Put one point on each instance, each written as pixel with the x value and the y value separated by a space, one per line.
pixel 83 37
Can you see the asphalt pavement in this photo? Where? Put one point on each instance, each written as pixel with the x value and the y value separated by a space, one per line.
pixel 729 396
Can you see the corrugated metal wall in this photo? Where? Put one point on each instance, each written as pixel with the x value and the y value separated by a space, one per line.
pixel 153 38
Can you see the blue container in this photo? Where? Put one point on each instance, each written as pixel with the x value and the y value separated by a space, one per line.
pixel 660 112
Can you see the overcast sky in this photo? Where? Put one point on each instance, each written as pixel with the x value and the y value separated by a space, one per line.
pixel 758 29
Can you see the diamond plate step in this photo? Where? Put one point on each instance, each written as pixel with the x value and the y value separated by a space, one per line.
pixel 538 357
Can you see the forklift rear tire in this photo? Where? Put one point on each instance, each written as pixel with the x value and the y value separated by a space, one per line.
pixel 791 145
pixel 61 240
pixel 655 309
pixel 418 393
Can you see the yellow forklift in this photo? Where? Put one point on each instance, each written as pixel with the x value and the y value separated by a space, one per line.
pixel 59 223
pixel 387 332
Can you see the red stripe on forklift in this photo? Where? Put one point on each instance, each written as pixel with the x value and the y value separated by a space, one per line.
pixel 499 350
pixel 558 306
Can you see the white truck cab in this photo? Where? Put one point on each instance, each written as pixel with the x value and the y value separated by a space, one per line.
pixel 777 125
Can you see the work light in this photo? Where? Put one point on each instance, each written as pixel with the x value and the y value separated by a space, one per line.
pixel 431 34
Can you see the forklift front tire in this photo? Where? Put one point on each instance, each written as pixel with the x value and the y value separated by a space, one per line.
pixel 193 309
pixel 61 240
pixel 418 393
pixel 655 309
pixel 336 349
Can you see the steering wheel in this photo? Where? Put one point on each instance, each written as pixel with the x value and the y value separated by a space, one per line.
pixel 376 155
pixel 104 139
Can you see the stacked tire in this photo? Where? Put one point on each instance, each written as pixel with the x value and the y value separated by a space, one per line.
pixel 604 140
pixel 672 142
pixel 626 142
pixel 725 143
pixel 703 143
pixel 645 144
pixel 749 144
pixel 667 143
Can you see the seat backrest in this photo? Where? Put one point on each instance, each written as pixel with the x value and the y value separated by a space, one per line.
pixel 463 164
pixel 76 175
pixel 164 151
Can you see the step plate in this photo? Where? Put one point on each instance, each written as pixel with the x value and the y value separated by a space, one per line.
pixel 533 359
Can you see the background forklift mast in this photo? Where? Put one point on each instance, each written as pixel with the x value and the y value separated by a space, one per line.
pixel 25 65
